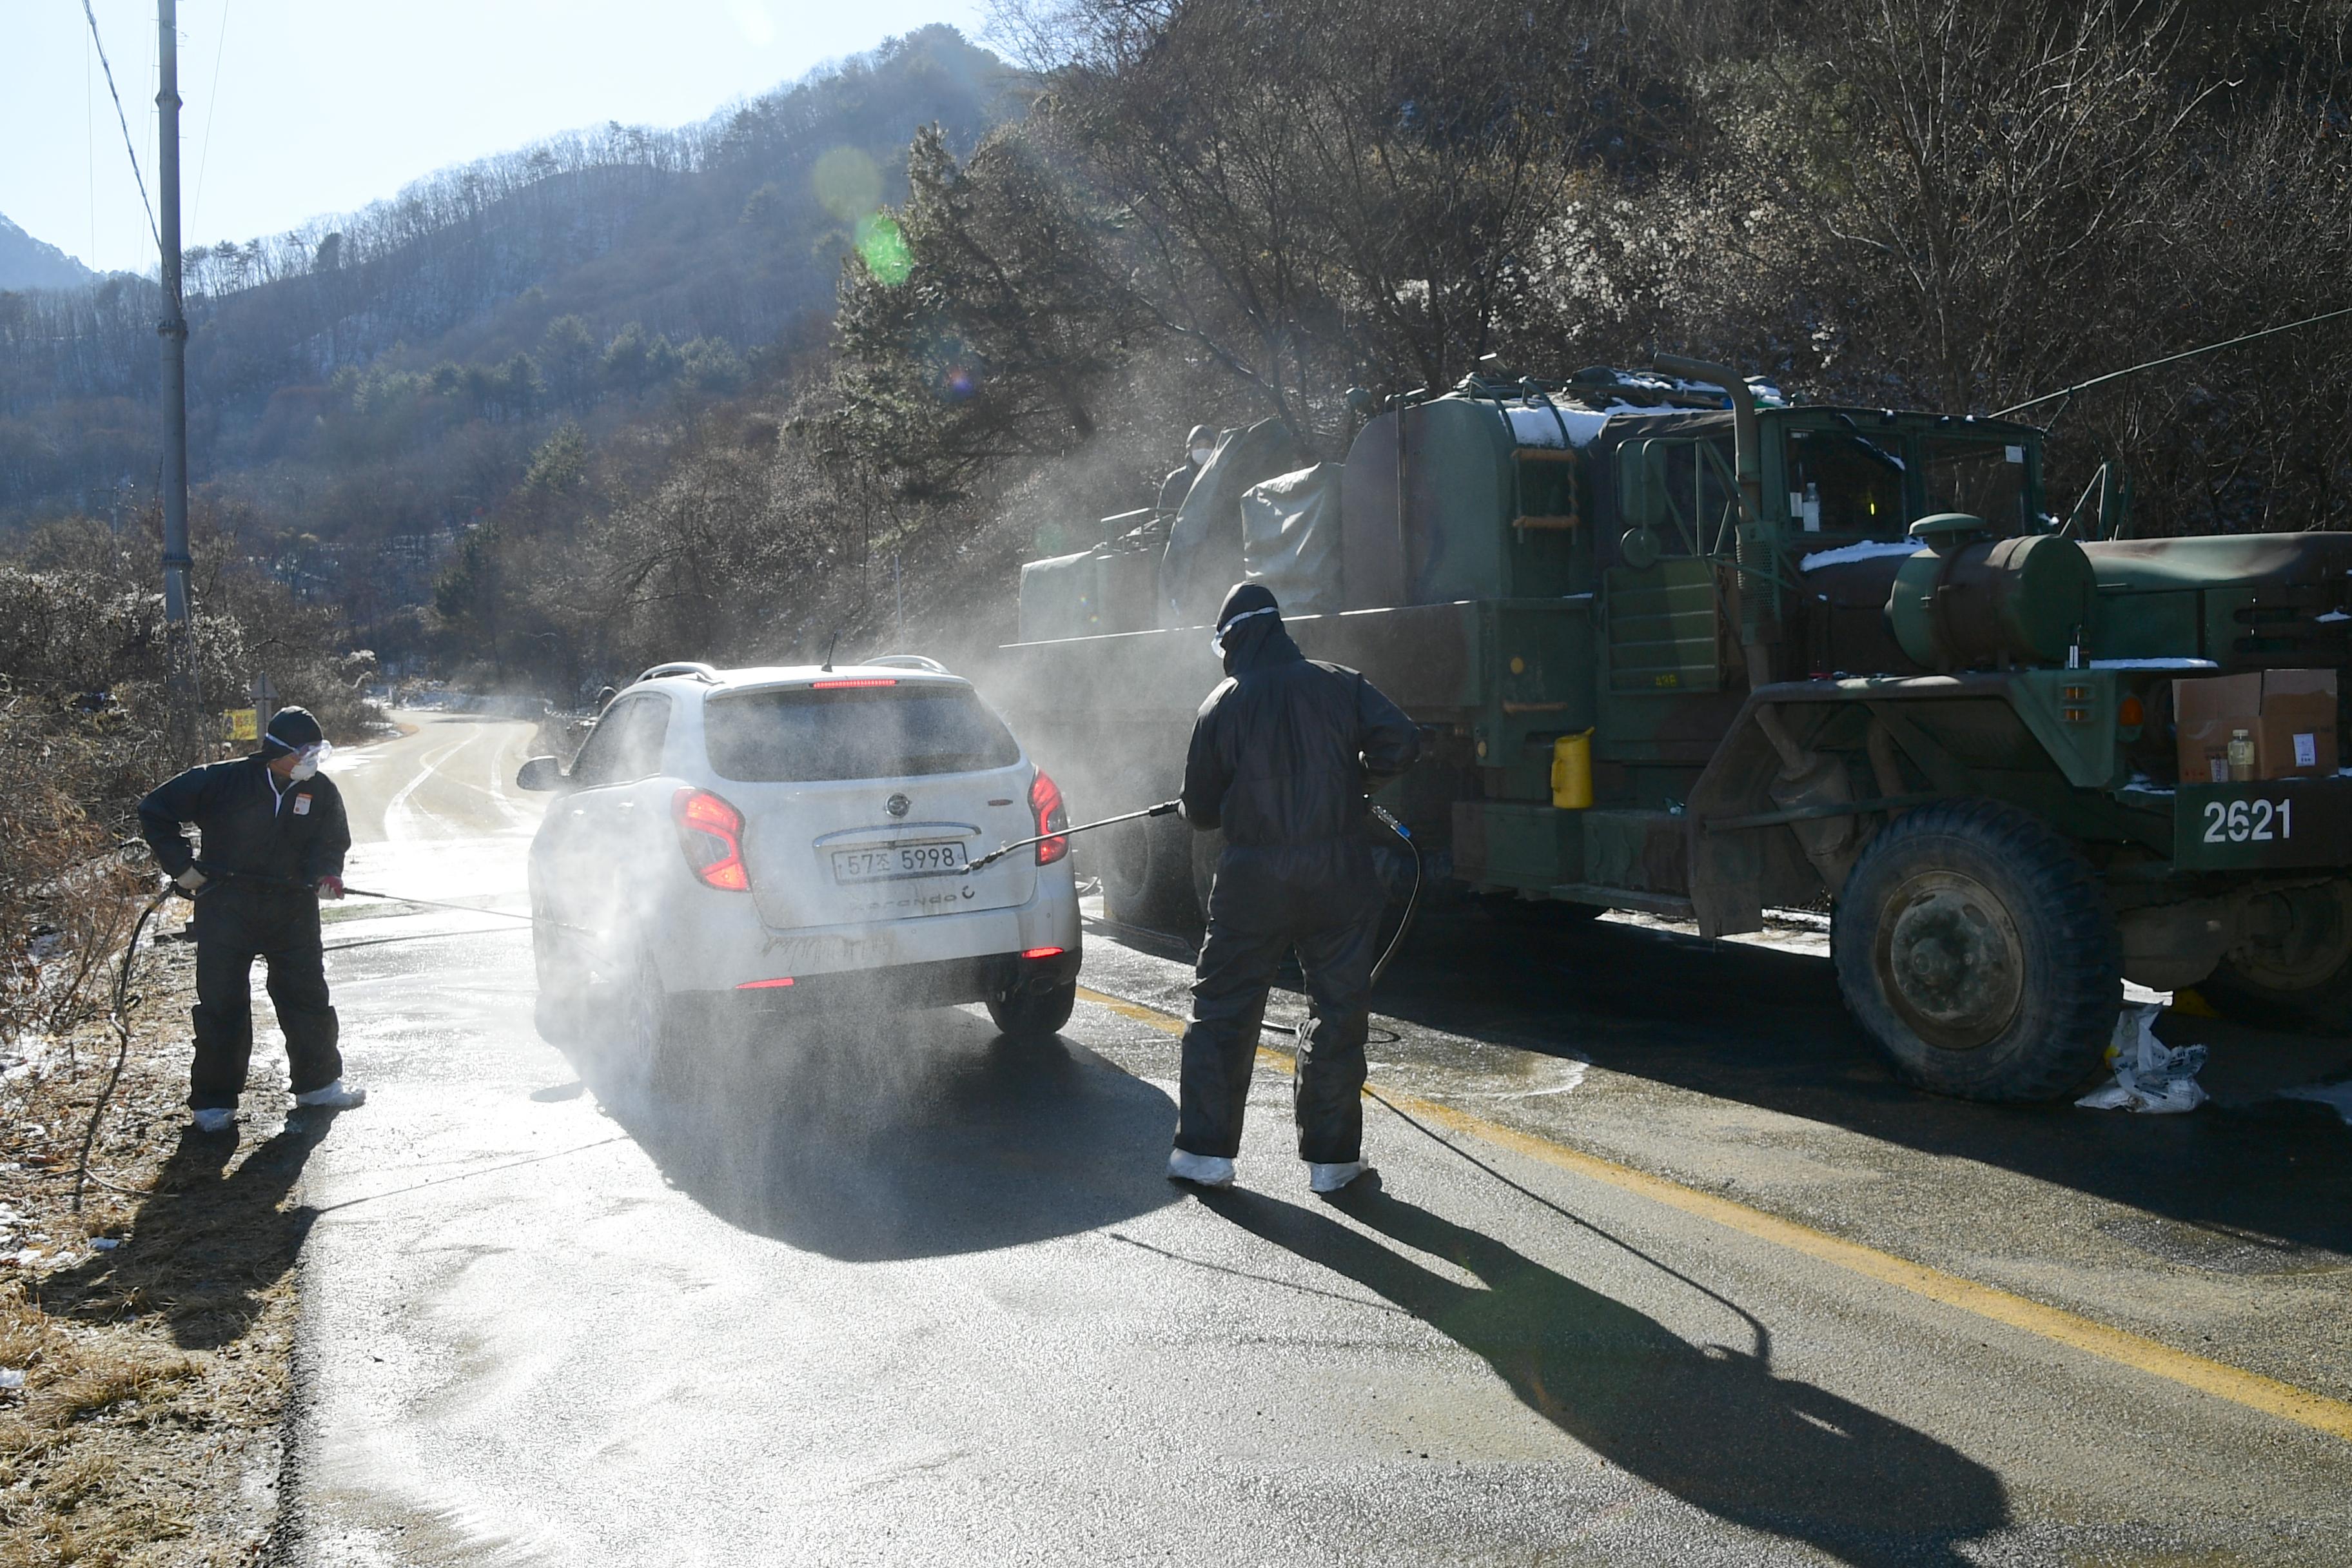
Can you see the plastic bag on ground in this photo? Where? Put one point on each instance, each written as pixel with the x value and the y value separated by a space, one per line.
pixel 2151 1075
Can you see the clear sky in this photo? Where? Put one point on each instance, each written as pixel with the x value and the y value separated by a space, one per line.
pixel 325 105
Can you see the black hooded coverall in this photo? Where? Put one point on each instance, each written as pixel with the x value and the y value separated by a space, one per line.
pixel 1281 755
pixel 260 826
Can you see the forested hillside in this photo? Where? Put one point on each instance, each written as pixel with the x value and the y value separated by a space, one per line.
pixel 364 390
pixel 615 358
pixel 1232 210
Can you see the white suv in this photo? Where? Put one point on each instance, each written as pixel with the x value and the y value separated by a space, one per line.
pixel 794 840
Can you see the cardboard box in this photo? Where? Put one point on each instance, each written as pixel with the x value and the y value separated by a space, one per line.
pixel 2288 714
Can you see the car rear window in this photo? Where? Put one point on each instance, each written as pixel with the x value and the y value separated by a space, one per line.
pixel 807 735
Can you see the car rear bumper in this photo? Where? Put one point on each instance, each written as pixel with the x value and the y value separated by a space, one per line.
pixel 891 988
pixel 709 949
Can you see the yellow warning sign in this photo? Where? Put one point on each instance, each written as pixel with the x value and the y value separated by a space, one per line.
pixel 244 723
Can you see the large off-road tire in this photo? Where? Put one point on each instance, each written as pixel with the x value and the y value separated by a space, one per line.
pixel 1035 1014
pixel 2300 977
pixel 1972 944
pixel 1147 874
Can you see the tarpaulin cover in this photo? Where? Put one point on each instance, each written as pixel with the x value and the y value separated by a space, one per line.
pixel 1057 597
pixel 1290 539
pixel 1205 547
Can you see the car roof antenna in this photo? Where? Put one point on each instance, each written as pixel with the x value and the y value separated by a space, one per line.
pixel 829 643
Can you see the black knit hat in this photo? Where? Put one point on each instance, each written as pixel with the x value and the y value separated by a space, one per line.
pixel 291 729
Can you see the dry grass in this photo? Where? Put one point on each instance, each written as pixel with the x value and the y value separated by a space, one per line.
pixel 155 1372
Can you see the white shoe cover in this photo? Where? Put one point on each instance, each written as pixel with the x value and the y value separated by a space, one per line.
pixel 1331 1178
pixel 215 1118
pixel 1201 1170
pixel 334 1097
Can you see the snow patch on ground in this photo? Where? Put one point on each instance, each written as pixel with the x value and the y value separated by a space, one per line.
pixel 26 1056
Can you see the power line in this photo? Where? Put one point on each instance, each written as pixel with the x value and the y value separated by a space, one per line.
pixel 2168 358
pixel 204 158
pixel 89 150
pixel 120 119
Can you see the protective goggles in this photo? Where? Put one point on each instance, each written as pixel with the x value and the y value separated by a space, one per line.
pixel 1217 638
pixel 311 757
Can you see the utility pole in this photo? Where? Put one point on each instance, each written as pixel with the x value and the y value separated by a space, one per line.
pixel 173 329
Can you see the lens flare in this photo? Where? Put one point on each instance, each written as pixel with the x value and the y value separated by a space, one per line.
pixel 884 249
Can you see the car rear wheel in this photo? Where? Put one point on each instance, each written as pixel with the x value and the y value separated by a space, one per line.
pixel 639 1029
pixel 562 1013
pixel 1031 1014
pixel 1972 944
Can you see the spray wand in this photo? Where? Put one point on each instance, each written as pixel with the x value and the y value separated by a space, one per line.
pixel 291 885
pixel 1162 809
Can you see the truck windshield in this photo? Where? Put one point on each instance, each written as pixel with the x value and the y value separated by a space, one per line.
pixel 808 735
pixel 1840 482
pixel 1983 478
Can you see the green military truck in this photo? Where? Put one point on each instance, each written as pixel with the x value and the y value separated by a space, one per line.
pixel 1679 647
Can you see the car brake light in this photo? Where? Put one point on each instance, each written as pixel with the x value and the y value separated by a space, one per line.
pixel 764 984
pixel 1045 800
pixel 710 832
pixel 844 685
pixel 1041 953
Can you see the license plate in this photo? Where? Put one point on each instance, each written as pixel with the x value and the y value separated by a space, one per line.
pixel 883 862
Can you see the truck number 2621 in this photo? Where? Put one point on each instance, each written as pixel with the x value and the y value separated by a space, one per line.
pixel 2244 821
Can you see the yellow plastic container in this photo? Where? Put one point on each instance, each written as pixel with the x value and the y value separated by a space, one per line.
pixel 1571 772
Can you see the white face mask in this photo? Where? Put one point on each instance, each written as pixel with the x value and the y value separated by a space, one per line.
pixel 307 760
pixel 1200 456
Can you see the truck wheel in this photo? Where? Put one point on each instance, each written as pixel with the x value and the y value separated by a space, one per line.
pixel 1147 874
pixel 2298 974
pixel 1972 942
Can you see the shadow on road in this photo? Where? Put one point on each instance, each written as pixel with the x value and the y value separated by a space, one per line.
pixel 2269 1186
pixel 1714 1426
pixel 920 1135
pixel 209 1244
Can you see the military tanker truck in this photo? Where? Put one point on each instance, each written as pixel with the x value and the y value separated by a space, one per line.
pixel 1679 647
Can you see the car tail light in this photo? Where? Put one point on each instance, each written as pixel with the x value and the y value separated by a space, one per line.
pixel 1041 953
pixel 1045 800
pixel 710 832
pixel 764 984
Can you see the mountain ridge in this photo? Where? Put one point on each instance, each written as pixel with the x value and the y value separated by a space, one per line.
pixel 29 263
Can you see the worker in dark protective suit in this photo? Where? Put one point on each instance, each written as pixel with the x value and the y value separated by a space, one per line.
pixel 1199 448
pixel 273 841
pixel 1282 755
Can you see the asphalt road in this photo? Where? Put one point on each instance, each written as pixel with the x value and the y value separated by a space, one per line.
pixel 1662 1268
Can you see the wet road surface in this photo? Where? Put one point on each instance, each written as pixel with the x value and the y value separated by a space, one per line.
pixel 1662 1268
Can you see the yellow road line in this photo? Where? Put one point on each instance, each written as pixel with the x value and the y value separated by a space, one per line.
pixel 2255 1392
